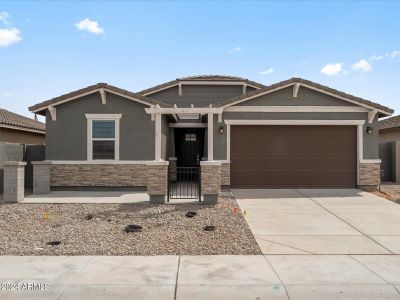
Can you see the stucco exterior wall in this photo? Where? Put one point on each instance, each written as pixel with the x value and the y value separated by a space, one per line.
pixel 389 135
pixel 66 137
pixel 21 137
pixel 305 97
pixel 199 96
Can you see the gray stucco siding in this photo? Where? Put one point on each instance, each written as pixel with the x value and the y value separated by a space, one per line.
pixel 305 97
pixel 66 138
pixel 370 141
pixel 198 95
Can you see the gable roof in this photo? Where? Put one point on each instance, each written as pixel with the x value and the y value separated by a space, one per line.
pixel 92 89
pixel 10 119
pixel 388 123
pixel 200 78
pixel 309 84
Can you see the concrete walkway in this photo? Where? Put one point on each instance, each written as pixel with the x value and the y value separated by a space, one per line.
pixel 339 221
pixel 89 197
pixel 270 277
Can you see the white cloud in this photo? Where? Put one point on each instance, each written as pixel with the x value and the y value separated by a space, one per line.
pixel 236 49
pixel 267 71
pixel 89 25
pixel 374 57
pixel 362 65
pixel 393 54
pixel 4 17
pixel 332 69
pixel 9 36
pixel 5 94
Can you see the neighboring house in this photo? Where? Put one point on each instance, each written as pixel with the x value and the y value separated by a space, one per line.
pixel 389 148
pixel 15 128
pixel 293 134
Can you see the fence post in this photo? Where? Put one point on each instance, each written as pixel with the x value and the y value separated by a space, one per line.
pixel 14 189
pixel 41 177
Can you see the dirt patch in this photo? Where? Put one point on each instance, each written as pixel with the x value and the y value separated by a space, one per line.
pixel 25 229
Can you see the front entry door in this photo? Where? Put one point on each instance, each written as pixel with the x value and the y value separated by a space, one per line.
pixel 189 146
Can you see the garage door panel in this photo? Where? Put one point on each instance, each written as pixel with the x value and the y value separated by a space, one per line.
pixel 293 156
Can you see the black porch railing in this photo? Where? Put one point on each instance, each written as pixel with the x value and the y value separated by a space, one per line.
pixel 184 183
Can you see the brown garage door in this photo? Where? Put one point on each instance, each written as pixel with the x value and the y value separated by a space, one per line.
pixel 293 156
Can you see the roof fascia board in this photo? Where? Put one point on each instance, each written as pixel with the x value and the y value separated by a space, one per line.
pixel 89 93
pixel 22 128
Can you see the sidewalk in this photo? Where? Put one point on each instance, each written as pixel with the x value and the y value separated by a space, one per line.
pixel 203 277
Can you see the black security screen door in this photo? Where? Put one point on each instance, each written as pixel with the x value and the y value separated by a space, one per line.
pixel 184 179
pixel 189 143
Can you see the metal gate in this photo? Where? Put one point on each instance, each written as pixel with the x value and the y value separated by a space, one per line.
pixel 184 183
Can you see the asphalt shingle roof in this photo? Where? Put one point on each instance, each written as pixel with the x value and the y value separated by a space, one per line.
pixel 201 78
pixel 312 84
pixel 12 119
pixel 262 89
pixel 94 87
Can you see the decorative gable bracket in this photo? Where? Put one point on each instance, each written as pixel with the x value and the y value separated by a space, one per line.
pixel 103 96
pixel 296 88
pixel 53 113
pixel 371 115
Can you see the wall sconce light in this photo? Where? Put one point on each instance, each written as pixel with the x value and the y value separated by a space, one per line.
pixel 369 130
pixel 221 129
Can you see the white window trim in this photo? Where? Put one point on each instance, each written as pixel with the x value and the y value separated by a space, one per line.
pixel 90 139
pixel 358 123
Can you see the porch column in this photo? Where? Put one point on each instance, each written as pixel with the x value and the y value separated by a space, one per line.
pixel 157 181
pixel 210 137
pixel 210 181
pixel 158 137
pixel 14 179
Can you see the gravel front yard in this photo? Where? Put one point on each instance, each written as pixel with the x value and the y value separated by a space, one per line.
pixel 26 228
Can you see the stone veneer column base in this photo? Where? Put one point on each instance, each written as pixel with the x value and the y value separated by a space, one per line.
pixel 225 174
pixel 14 181
pixel 41 177
pixel 370 176
pixel 157 181
pixel 210 181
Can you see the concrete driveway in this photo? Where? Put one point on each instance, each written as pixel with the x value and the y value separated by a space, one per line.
pixel 321 221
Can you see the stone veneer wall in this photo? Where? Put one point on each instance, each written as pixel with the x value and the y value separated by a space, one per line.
pixel 370 174
pixel 226 174
pixel 157 180
pixel 98 175
pixel 210 179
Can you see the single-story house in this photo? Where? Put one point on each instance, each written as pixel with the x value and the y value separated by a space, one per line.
pixel 389 148
pixel 243 134
pixel 18 129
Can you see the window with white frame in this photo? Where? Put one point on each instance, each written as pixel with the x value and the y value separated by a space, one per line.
pixel 103 137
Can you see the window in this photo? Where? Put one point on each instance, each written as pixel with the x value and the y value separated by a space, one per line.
pixel 190 137
pixel 103 137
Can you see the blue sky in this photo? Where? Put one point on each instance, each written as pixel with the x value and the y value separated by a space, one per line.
pixel 51 48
